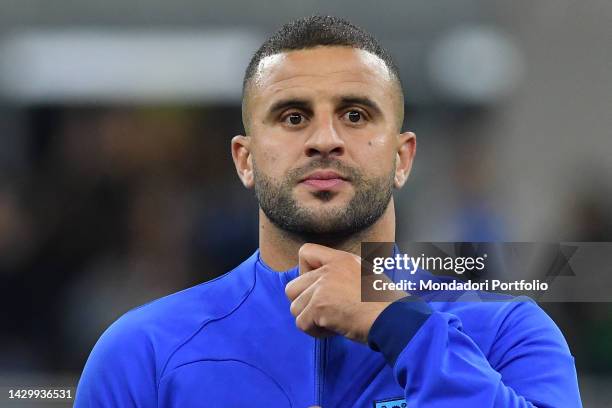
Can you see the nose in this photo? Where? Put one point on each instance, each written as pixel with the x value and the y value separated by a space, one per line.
pixel 324 141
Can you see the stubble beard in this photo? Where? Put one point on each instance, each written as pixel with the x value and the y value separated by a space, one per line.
pixel 371 199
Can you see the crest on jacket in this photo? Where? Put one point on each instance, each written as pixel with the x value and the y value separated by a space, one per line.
pixel 391 403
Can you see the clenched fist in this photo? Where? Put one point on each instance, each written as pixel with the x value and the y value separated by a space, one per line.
pixel 326 297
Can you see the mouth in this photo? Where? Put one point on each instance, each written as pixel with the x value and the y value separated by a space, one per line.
pixel 324 180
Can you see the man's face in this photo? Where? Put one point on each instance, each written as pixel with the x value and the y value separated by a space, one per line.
pixel 323 139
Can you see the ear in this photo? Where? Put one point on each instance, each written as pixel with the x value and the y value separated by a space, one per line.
pixel 405 155
pixel 242 159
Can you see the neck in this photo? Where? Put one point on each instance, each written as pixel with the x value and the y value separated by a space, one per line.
pixel 279 248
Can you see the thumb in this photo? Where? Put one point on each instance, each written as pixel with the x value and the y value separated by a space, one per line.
pixel 313 256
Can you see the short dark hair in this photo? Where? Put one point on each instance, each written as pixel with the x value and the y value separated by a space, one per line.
pixel 313 31
pixel 309 32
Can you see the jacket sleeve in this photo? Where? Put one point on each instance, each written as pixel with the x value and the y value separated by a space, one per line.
pixel 120 371
pixel 439 365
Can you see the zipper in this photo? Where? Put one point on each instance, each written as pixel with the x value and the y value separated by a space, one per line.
pixel 320 354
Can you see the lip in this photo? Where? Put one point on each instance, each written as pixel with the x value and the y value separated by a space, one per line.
pixel 324 179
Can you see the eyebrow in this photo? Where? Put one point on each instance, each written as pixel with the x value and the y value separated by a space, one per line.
pixel 296 103
pixel 306 105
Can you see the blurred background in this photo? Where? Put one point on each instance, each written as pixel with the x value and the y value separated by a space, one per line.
pixel 116 180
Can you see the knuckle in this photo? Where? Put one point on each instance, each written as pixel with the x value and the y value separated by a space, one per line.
pixel 316 295
pixel 322 321
pixel 301 323
pixel 293 309
pixel 290 292
pixel 323 281
pixel 319 308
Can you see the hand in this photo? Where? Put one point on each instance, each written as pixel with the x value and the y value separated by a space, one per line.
pixel 326 297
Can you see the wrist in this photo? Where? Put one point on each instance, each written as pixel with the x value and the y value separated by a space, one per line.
pixel 396 325
pixel 367 318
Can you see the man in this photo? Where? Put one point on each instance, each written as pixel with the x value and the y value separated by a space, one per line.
pixel 322 110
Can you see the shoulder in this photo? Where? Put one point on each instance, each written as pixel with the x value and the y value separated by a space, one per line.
pixel 195 304
pixel 167 318
pixel 150 333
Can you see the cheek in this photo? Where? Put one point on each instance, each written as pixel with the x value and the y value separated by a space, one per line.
pixel 271 161
pixel 377 155
pixel 269 158
pixel 265 164
pixel 276 152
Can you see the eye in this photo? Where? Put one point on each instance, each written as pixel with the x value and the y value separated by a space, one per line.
pixel 294 119
pixel 354 116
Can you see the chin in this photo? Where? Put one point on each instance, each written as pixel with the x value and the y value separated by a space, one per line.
pixel 322 207
pixel 325 218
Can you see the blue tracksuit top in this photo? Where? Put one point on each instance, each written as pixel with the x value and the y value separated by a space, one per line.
pixel 232 342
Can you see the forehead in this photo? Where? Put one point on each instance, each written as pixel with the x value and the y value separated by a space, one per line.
pixel 323 70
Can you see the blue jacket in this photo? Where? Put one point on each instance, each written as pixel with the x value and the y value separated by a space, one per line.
pixel 232 342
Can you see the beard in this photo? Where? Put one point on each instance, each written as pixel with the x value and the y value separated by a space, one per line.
pixel 371 198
